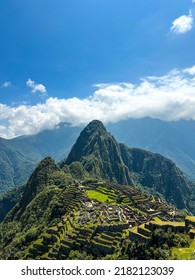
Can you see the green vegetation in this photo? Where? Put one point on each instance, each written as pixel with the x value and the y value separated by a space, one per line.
pixel 184 253
pixel 98 196
pixel 78 209
pixel 191 218
pixel 20 155
pixel 157 219
pixel 173 224
pixel 55 225
pixel 159 246
pixel 9 200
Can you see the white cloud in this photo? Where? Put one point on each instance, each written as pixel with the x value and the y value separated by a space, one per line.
pixel 182 24
pixel 36 87
pixel 7 84
pixel 191 70
pixel 168 97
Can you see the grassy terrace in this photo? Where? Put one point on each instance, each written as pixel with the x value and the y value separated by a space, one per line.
pixel 139 198
pixel 134 229
pixel 104 194
pixel 157 219
pixel 138 210
pixel 184 253
pixel 101 197
pixel 191 218
pixel 162 223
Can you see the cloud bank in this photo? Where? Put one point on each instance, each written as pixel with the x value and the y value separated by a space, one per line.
pixel 168 97
pixel 182 24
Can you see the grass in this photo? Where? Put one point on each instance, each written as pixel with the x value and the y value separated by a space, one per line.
pixel 126 201
pixel 192 245
pixel 175 224
pixel 183 253
pixel 157 219
pixel 106 191
pixel 191 218
pixel 103 194
pixel 101 197
pixel 134 229
pixel 38 242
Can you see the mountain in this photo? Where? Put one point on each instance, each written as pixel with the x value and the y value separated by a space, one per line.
pixel 172 139
pixel 103 157
pixel 9 200
pixel 78 210
pixel 99 153
pixel 17 161
pixel 20 155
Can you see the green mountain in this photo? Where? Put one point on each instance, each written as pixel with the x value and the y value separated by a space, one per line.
pixel 9 200
pixel 78 210
pixel 19 156
pixel 99 153
pixel 16 163
pixel 172 139
pixel 103 157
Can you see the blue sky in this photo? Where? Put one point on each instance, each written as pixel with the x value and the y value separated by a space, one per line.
pixel 54 52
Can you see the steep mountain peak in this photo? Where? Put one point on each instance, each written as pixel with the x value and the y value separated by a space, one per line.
pixel 99 153
pixel 38 180
pixel 95 125
pixel 93 129
pixel 89 141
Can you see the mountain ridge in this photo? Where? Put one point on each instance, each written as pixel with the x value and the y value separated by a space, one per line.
pixel 105 158
pixel 70 208
pixel 19 156
pixel 174 140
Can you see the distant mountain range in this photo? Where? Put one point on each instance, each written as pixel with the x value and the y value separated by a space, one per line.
pixel 90 200
pixel 19 156
pixel 174 140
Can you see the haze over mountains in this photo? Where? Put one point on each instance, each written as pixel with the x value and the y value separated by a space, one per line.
pixel 174 140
